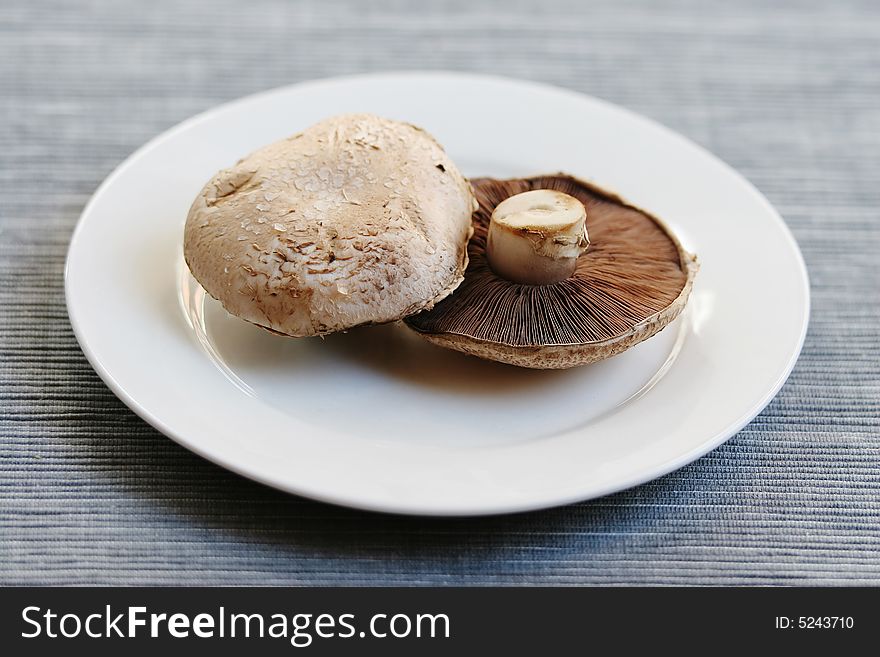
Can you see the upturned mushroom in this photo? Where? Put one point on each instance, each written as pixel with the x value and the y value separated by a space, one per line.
pixel 356 220
pixel 562 273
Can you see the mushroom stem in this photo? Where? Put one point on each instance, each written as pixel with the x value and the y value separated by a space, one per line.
pixel 536 237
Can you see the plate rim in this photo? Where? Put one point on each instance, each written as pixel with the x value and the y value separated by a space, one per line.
pixel 644 475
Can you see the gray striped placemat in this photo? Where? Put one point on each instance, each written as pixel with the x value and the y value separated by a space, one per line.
pixel 786 92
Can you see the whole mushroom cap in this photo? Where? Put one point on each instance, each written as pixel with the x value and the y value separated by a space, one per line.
pixel 356 220
pixel 633 280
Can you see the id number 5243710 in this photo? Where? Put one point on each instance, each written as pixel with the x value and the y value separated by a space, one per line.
pixel 814 622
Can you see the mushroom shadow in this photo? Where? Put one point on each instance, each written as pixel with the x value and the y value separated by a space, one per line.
pixel 399 352
pixel 390 350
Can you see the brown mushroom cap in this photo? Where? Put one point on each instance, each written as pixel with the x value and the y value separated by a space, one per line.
pixel 356 220
pixel 634 279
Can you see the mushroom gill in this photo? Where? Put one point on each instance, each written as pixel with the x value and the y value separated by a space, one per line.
pixel 633 280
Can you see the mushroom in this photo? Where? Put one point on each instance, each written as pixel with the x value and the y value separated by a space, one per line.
pixel 356 220
pixel 539 293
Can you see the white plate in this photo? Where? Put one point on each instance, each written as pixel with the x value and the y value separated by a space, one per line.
pixel 377 418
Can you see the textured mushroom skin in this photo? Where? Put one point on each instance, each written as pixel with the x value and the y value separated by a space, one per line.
pixel 356 220
pixel 560 354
